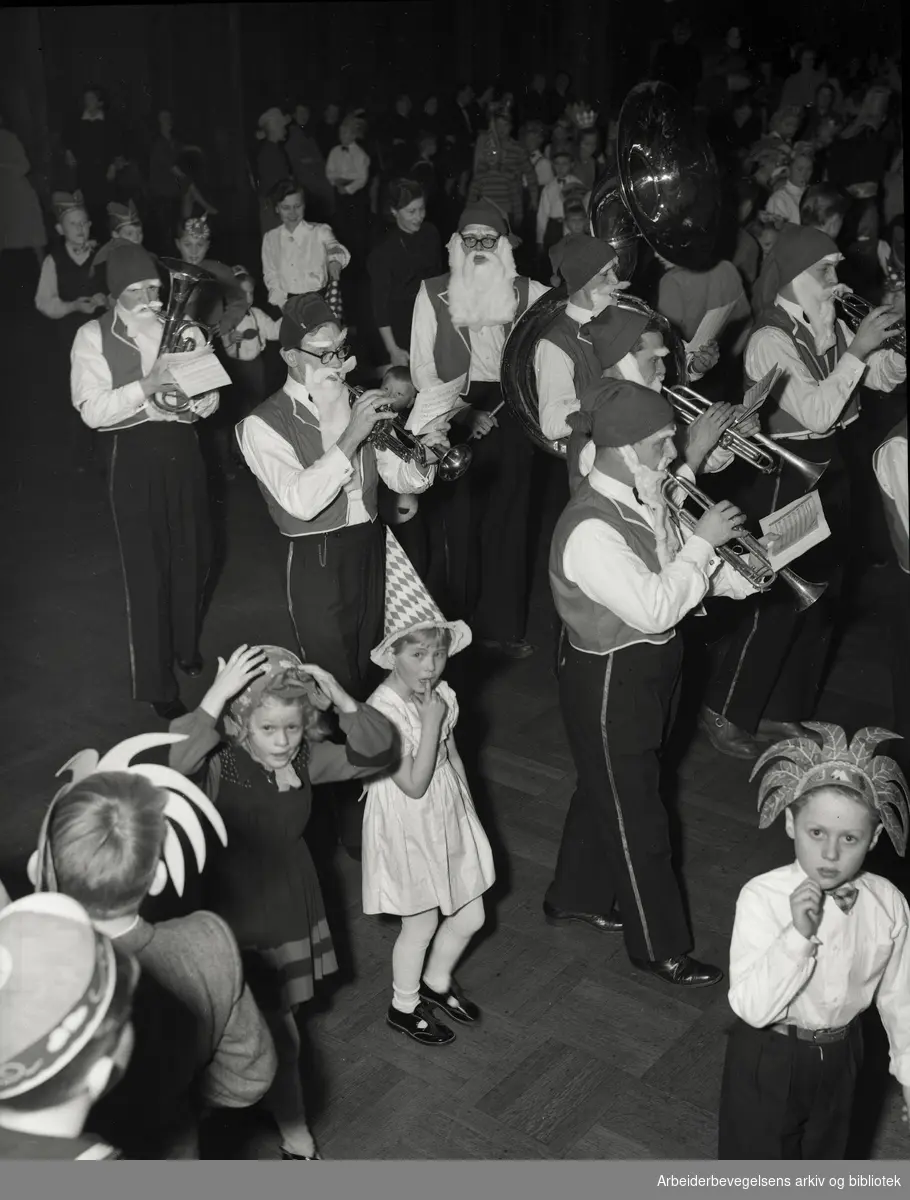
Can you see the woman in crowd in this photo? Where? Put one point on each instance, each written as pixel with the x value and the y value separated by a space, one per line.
pixel 21 222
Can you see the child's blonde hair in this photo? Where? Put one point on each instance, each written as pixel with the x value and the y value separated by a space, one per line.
pixel 428 636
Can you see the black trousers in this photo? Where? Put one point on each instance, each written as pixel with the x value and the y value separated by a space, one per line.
pixel 485 517
pixel 771 662
pixel 618 709
pixel 782 1098
pixel 336 598
pixel 158 496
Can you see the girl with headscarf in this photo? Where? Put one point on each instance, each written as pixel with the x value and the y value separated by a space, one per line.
pixel 260 772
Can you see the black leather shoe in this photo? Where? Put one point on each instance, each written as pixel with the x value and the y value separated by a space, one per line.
pixel 682 970
pixel 170 710
pixel 290 1156
pixel 462 1010
pixel 611 923
pixel 420 1025
pixel 191 668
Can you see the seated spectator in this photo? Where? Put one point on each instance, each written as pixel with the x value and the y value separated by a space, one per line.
pixel 66 995
pixel 408 254
pixel 299 256
pixel 784 201
pixel 550 211
pixel 348 171
pixel 823 207
pixel 103 844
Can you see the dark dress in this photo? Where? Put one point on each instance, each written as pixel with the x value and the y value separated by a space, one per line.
pixel 397 267
pixel 264 883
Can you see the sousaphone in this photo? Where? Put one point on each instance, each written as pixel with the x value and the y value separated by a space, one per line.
pixel 665 190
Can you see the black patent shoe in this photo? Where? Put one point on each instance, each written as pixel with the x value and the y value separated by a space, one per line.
pixel 290 1156
pixel 420 1025
pixel 463 1010
pixel 681 970
pixel 169 710
pixel 191 667
pixel 609 923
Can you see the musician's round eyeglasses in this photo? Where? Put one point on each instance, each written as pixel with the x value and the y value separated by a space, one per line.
pixel 471 243
pixel 339 354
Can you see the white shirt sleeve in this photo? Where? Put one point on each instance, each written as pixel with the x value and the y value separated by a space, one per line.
pixel 94 396
pixel 271 267
pixel 47 298
pixel 885 370
pixel 544 213
pixel 403 478
pixel 816 405
pixel 556 395
pixel 301 491
pixel 890 463
pixel 333 248
pixel 269 327
pixel 769 965
pixel 423 341
pixel 893 995
pixel 361 164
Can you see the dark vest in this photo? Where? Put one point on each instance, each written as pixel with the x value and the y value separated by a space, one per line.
pixel 591 627
pixel 73 280
pixel 125 363
pixel 570 337
pixel 300 429
pixel 898 534
pixel 452 348
pixel 819 366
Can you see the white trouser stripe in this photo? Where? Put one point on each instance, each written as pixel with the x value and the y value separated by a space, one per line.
pixel 126 587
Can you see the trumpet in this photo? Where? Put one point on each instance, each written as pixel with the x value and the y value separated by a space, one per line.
pixel 390 434
pixel 758 451
pixel 856 309
pixel 761 576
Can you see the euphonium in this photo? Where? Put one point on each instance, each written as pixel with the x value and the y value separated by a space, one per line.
pixel 758 451
pixel 180 334
pixel 760 576
pixel 856 309
pixel 390 434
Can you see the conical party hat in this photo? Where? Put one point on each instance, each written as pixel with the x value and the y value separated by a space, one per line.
pixel 408 606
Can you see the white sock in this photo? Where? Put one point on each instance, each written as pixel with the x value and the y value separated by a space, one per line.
pixel 404 1002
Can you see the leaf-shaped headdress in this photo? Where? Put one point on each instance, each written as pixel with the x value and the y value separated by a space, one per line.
pixel 801 764
pixel 182 795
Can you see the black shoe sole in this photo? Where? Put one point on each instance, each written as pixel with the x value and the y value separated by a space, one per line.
pixel 417 1038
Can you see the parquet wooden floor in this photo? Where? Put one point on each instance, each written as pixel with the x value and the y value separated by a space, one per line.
pixel 578 1055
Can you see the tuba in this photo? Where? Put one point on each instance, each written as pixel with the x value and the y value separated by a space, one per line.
pixel 665 190
pixel 180 334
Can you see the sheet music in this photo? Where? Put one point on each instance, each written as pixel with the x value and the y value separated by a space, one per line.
pixel 439 401
pixel 758 393
pixel 197 371
pixel 795 528
pixel 710 328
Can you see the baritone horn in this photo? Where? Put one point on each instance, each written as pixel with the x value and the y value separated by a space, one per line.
pixel 762 575
pixel 180 333
pixel 760 452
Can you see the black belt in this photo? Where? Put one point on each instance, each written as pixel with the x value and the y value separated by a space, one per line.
pixel 819 1037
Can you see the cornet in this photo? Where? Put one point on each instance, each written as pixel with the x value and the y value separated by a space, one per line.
pixel 761 576
pixel 758 451
pixel 390 434
pixel 856 309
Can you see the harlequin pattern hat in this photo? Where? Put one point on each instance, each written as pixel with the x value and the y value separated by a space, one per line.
pixel 409 606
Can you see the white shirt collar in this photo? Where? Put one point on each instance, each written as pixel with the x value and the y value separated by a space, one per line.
pixel 793 310
pixel 298 234
pixel 298 392
pixel 581 315
pixel 607 486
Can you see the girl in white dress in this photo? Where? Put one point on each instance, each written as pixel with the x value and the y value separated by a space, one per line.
pixel 424 849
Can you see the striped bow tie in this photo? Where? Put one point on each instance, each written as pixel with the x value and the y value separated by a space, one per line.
pixel 845 896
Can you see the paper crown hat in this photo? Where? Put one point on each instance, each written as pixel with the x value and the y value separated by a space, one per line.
pixel 182 795
pixel 58 977
pixel 64 202
pixel 123 214
pixel 409 606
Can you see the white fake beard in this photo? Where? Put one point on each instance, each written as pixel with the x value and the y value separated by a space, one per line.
pixel 143 320
pixel 328 381
pixel 818 305
pixel 649 485
pixel 631 372
pixel 481 294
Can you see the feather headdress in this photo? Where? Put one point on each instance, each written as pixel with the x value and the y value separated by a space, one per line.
pixel 182 795
pixel 802 764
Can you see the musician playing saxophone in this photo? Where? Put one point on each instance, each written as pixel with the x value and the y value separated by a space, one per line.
pixel 156 476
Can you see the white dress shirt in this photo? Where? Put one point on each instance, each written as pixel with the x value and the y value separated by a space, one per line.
pixel 555 372
pixel 818 406
pixel 305 491
pixel 296 263
pixel 598 560
pixel 47 297
pixel 351 163
pixel 890 464
pixel 266 328
pixel 785 202
pixel 855 959
pixel 486 345
pixel 549 207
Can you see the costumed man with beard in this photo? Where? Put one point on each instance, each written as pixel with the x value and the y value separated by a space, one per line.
pixel 622 583
pixel 627 344
pixel 564 359
pixel 767 674
pixel 156 477
pixel 460 325
pixel 308 447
